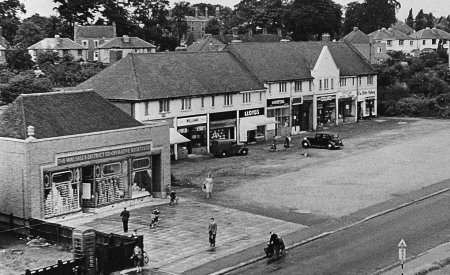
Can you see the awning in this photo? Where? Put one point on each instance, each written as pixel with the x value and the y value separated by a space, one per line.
pixel 176 137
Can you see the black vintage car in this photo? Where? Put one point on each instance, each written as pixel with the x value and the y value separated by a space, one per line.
pixel 323 140
pixel 227 147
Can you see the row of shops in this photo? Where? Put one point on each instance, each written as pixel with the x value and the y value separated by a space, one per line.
pixel 281 117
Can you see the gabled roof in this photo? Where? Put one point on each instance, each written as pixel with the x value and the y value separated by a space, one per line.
pixel 172 75
pixel 295 60
pixel 61 114
pixel 389 34
pixel 430 34
pixel 270 37
pixel 133 43
pixel 356 37
pixel 205 43
pixel 401 26
pixel 94 32
pixel 56 44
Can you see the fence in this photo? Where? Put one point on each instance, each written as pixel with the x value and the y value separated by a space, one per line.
pixel 72 267
pixel 53 232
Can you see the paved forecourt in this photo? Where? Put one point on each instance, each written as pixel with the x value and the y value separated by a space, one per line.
pixel 180 241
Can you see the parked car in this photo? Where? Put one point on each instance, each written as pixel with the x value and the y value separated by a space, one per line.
pixel 323 140
pixel 227 147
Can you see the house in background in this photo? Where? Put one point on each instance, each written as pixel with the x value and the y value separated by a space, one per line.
pixel 373 51
pixel 207 43
pixel 4 44
pixel 119 47
pixel 60 45
pixel 91 37
pixel 430 39
pixel 394 40
pixel 197 24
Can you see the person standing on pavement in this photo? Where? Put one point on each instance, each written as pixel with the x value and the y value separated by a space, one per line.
pixel 138 258
pixel 212 232
pixel 125 217
pixel 208 184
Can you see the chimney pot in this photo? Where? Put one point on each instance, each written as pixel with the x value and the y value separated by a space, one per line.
pixel 30 131
pixel 196 12
pixel 355 28
pixel 326 37
pixel 206 11
pixel 126 38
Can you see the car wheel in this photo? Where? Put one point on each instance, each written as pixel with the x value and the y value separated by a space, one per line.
pixel 244 152
pixel 224 154
pixel 330 146
pixel 305 144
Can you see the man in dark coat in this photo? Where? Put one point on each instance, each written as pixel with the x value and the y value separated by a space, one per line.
pixel 125 217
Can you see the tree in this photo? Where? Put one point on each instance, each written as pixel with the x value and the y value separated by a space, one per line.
pixel 429 20
pixel 19 59
pixel 420 21
pixel 410 19
pixel 29 33
pixel 354 12
pixel 24 83
pixel 308 20
pixel 179 13
pixel 213 27
pixel 255 14
pixel 77 11
pixel 9 20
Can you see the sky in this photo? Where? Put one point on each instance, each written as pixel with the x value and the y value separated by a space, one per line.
pixel 437 7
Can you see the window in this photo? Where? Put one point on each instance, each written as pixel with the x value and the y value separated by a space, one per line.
pixel 389 42
pixel 96 55
pixel 203 29
pixel 310 85
pixel 370 79
pixel 283 87
pixel 332 83
pixel 96 42
pixel 325 84
pixel 433 41
pixel 423 42
pixel 411 43
pixel 353 81
pixel 343 82
pixel 246 97
pixel 110 169
pixel 202 99
pixel 228 100
pixel 186 103
pixel 146 108
pixel 298 86
pixel 85 43
pixel 444 41
pixel 192 28
pixel 400 42
pixel 360 80
pixel 320 84
pixel 213 101
pixel 80 52
pixel 379 50
pixel 164 105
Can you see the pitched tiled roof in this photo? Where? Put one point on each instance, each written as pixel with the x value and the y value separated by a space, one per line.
pixel 172 75
pixel 62 114
pixel 94 32
pixel 203 44
pixel 431 34
pixel 227 38
pixel 400 26
pixel 119 42
pixel 56 44
pixel 356 37
pixel 295 60
pixel 389 34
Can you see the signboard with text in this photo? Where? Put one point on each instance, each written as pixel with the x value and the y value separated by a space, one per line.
pixel 278 102
pixel 191 120
pixel 326 98
pixel 251 112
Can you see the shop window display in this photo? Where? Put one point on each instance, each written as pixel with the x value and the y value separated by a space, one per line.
pixel 61 192
pixel 142 180
pixel 109 183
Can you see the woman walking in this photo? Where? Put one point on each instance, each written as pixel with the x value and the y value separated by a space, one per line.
pixel 138 258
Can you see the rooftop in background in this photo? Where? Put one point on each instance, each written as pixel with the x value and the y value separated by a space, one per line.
pixel 56 43
pixel 400 26
pixel 126 42
pixel 357 37
pixel 94 31
pixel 431 34
pixel 61 114
pixel 171 75
pixel 389 34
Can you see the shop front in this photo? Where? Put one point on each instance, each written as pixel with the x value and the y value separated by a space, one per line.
pixel 194 129
pixel 222 125
pixel 253 125
pixel 367 103
pixel 347 107
pixel 279 109
pixel 297 115
pixel 326 110
pixel 306 109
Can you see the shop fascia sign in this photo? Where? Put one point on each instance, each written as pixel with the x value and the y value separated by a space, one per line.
pixel 347 94
pixel 367 93
pixel 326 98
pixel 251 112
pixel 278 102
pixel 103 154
pixel 191 120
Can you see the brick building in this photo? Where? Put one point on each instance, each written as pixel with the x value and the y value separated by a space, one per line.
pixel 65 152
pixel 91 37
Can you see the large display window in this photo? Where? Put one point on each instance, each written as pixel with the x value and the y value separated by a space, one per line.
pixel 141 177
pixel 61 192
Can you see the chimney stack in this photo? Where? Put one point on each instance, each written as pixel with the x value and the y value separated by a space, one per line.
pixel 326 37
pixel 30 133
pixel 206 11
pixel 114 29
pixel 355 29
pixel 196 12
pixel 126 39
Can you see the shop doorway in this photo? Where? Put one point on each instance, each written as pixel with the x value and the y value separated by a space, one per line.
pixel 141 179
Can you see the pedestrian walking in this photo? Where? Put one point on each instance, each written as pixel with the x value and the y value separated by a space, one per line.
pixel 155 218
pixel 212 232
pixel 287 140
pixel 208 185
pixel 125 217
pixel 167 190
pixel 138 258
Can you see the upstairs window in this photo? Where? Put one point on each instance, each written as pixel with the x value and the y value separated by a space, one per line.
pixel 424 42
pixel 389 42
pixel 146 108
pixel 203 101
pixel 433 41
pixel 96 42
pixel 164 106
pixel 283 87
pixel 228 100
pixel 411 43
pixel 246 97
pixel 298 86
pixel 400 42
pixel 332 83
pixel 379 50
pixel 325 84
pixel 370 79
pixel 85 43
pixel 213 101
pixel 310 85
pixel 186 103
pixel 320 84
pixel 343 82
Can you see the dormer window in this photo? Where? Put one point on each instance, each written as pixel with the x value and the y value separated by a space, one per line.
pixel 85 43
